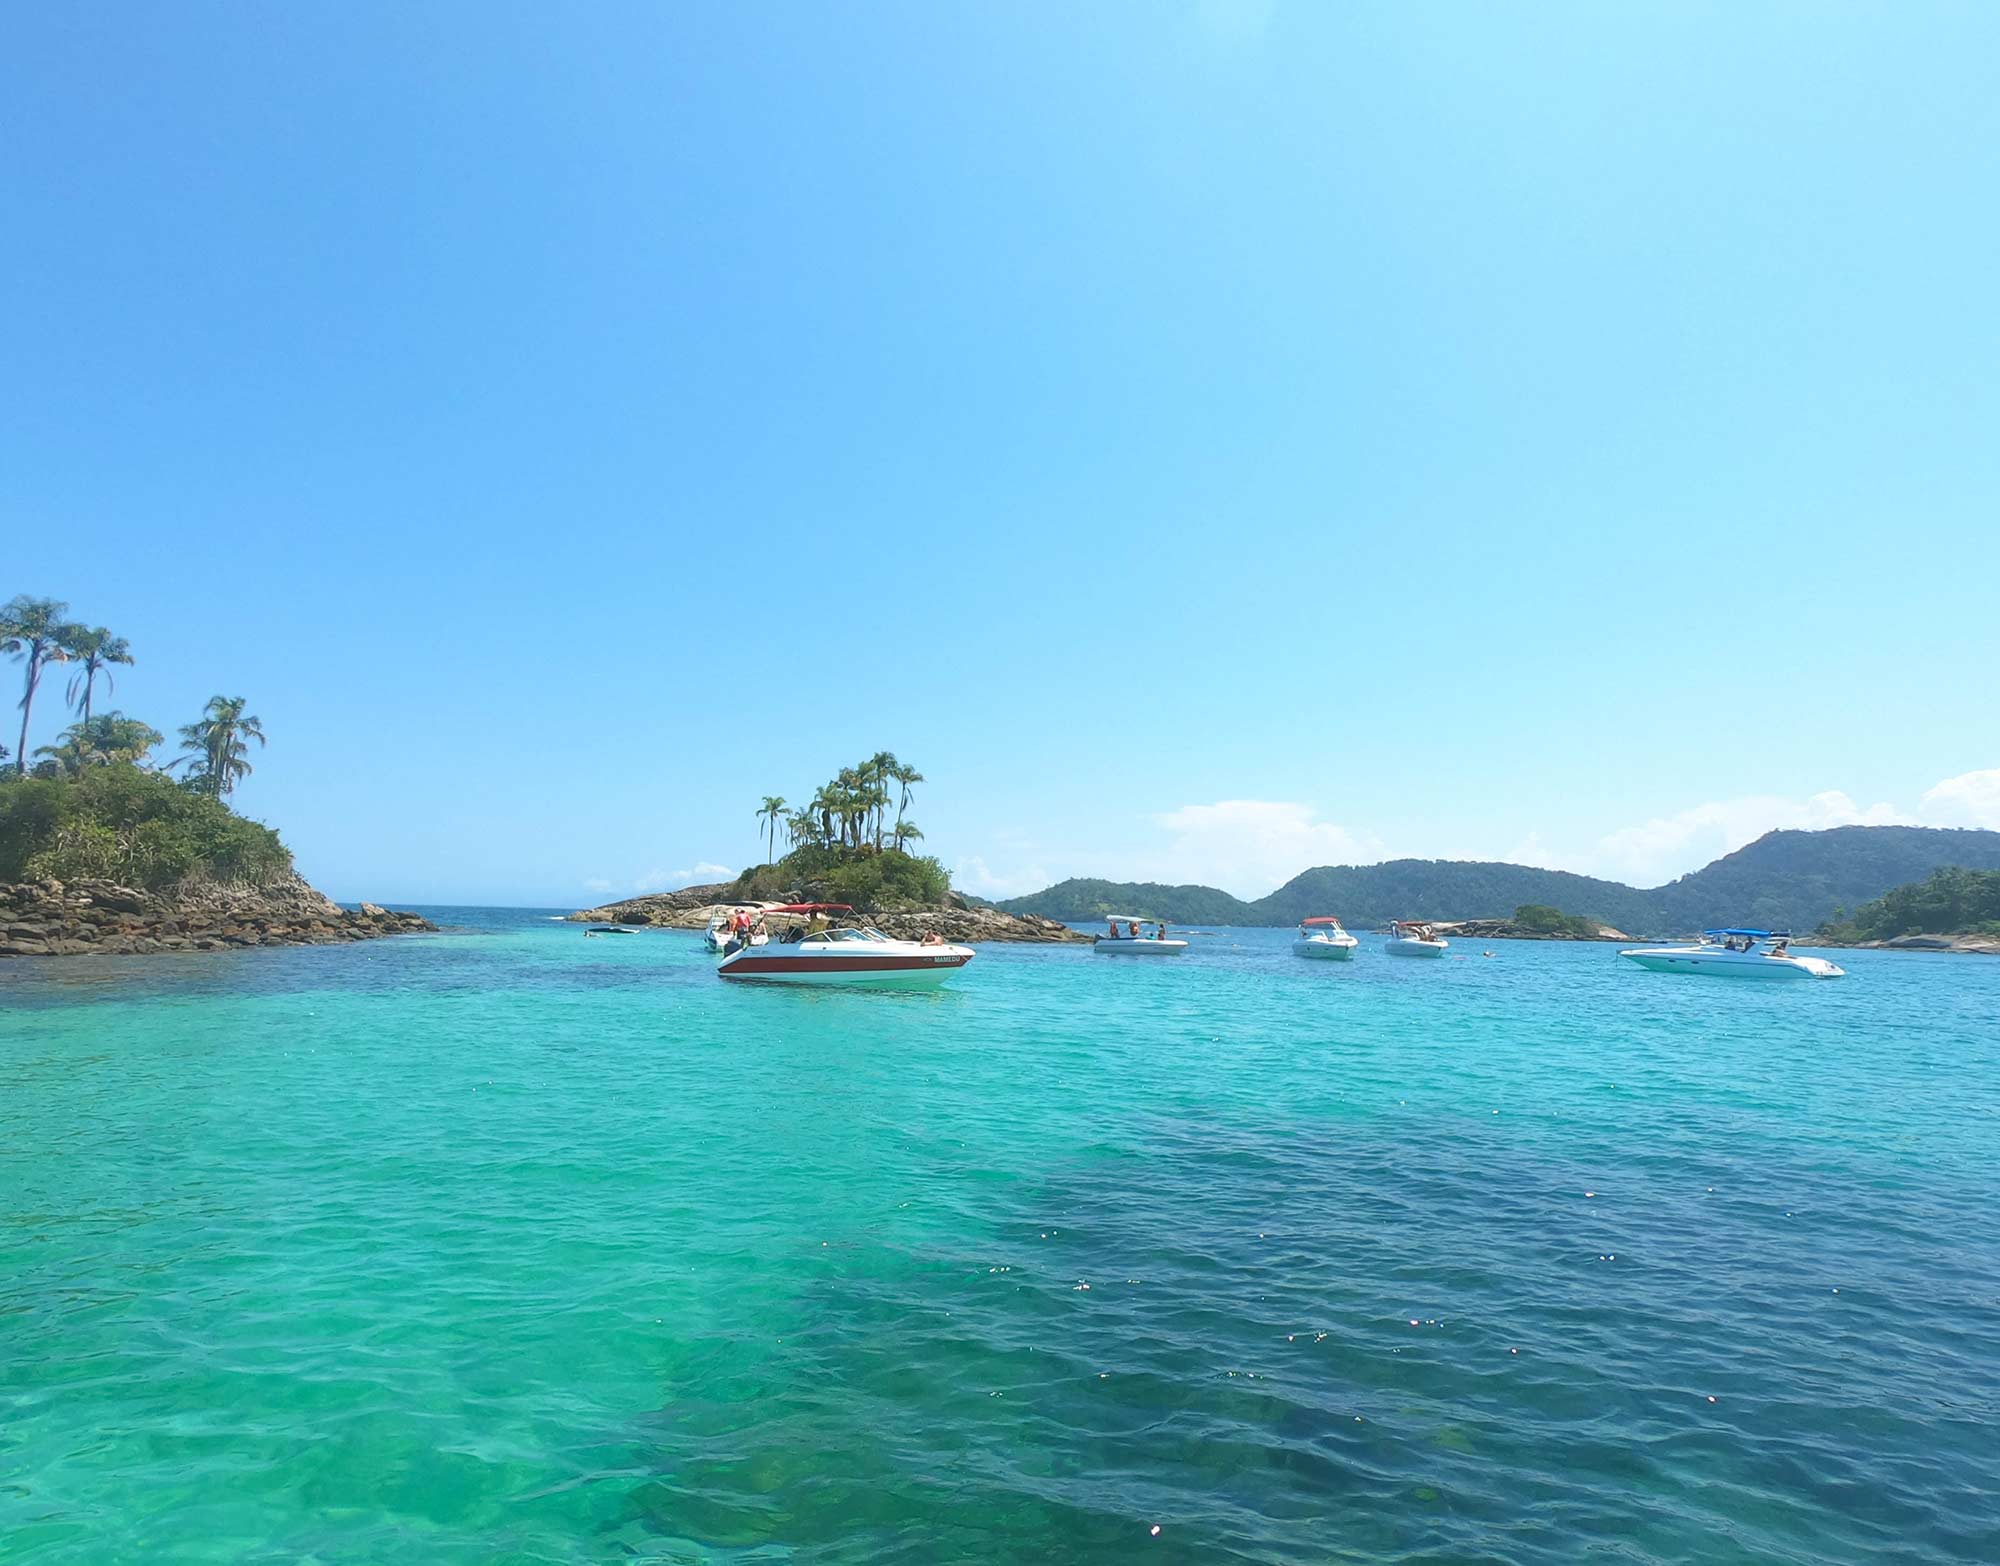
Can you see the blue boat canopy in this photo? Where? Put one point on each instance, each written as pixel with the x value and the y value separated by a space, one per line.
pixel 1755 935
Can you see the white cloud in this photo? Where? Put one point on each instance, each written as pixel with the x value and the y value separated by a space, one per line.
pixel 596 883
pixel 973 874
pixel 1249 846
pixel 1667 846
pixel 673 880
pixel 1970 799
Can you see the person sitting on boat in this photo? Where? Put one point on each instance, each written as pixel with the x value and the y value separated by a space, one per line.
pixel 932 938
pixel 817 925
pixel 1132 931
pixel 1778 947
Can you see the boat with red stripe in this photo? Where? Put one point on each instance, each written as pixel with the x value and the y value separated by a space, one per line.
pixel 803 944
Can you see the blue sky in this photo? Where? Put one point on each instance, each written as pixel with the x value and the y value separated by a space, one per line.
pixel 1207 439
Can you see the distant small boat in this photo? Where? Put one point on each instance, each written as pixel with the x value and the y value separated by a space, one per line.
pixel 1412 938
pixel 1736 954
pixel 1130 942
pixel 1324 938
pixel 609 929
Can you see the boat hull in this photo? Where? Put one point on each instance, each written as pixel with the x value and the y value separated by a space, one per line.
pixel 1734 965
pixel 1405 947
pixel 1325 951
pixel 874 970
pixel 1130 948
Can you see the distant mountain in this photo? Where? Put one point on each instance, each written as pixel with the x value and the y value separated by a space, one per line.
pixel 1793 880
pixel 1784 880
pixel 1448 889
pixel 1077 901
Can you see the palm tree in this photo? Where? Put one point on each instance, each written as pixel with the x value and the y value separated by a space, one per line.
pixel 218 745
pixel 99 741
pixel 33 630
pixel 876 772
pixel 94 650
pixel 800 827
pixel 904 832
pixel 769 812
pixel 906 778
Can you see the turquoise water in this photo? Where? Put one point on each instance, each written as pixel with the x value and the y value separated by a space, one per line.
pixel 505 1245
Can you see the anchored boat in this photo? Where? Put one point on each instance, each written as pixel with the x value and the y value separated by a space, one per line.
pixel 1324 938
pixel 1412 938
pixel 800 944
pixel 1138 938
pixel 1737 954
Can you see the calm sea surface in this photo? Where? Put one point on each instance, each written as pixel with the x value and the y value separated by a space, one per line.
pixel 504 1245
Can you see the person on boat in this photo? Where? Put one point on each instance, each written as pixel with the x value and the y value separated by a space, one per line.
pixel 1778 947
pixel 1132 930
pixel 818 924
pixel 932 938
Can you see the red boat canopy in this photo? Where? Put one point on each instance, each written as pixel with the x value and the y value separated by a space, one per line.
pixel 1326 920
pixel 810 908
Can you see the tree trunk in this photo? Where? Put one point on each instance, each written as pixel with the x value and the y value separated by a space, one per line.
pixel 27 708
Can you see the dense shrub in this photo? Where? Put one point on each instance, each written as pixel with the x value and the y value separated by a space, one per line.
pixel 126 823
pixel 872 882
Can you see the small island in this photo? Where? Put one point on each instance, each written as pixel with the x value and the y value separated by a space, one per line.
pixel 1532 922
pixel 844 847
pixel 103 851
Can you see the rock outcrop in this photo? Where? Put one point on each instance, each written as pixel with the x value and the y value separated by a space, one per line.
pixel 1984 945
pixel 1508 930
pixel 956 919
pixel 76 918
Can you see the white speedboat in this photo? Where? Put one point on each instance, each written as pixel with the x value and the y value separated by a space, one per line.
pixel 1138 938
pixel 795 951
pixel 1737 954
pixel 1412 938
pixel 1325 939
pixel 722 924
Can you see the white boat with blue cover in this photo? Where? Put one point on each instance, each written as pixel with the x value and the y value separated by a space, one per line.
pixel 1736 954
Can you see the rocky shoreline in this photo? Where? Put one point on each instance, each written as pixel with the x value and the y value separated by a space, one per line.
pixel 1979 945
pixel 83 918
pixel 956 920
pixel 1508 930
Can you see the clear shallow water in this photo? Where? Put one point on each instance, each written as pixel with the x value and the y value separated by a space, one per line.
pixel 509 1246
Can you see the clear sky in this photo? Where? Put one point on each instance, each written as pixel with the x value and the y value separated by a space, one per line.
pixel 1207 439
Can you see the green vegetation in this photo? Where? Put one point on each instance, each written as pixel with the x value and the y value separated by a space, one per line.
pixel 1951 901
pixel 216 760
pixel 838 851
pixel 93 804
pixel 123 822
pixel 1082 899
pixel 1541 919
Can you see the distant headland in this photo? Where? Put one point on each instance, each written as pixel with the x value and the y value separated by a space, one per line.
pixel 1785 880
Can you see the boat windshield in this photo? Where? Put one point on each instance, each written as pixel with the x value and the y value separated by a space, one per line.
pixel 850 933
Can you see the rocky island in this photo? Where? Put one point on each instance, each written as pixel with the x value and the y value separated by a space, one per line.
pixel 954 917
pixel 845 847
pixel 71 919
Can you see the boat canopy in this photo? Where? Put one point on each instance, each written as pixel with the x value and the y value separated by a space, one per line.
pixel 1323 919
pixel 1755 935
pixel 1128 919
pixel 810 908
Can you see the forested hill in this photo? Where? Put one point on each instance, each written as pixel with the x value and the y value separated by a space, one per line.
pixel 1449 889
pixel 1079 900
pixel 1793 880
pixel 1784 880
